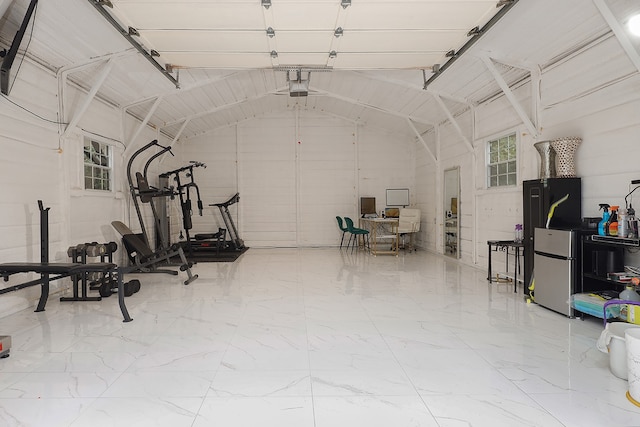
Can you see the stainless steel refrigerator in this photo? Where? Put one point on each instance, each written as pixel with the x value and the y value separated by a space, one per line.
pixel 556 271
pixel 538 196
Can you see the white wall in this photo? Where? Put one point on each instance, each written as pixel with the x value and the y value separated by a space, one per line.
pixel 296 171
pixel 594 95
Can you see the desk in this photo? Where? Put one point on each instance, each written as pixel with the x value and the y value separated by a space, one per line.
pixel 383 231
pixel 504 245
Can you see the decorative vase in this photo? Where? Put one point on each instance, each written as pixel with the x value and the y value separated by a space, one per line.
pixel 547 159
pixel 565 149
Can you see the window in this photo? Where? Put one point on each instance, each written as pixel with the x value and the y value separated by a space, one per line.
pixel 97 165
pixel 501 159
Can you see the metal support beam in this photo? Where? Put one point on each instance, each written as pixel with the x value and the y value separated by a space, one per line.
pixel 454 122
pixel 125 33
pixel 494 19
pixel 618 30
pixel 510 95
pixel 421 139
pixel 92 93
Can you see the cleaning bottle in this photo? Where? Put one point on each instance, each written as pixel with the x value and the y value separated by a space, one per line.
pixel 613 222
pixel 628 312
pixel 602 225
pixel 623 223
pixel 629 294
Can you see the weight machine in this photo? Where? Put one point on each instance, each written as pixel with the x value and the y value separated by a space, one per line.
pixel 199 241
pixel 138 245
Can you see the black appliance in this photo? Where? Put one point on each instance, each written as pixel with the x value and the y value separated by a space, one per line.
pixel 538 196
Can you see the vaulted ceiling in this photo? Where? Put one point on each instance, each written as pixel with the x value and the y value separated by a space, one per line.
pixel 204 64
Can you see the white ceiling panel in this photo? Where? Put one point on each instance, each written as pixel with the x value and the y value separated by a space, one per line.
pixel 290 42
pixel 150 15
pixel 207 41
pixel 304 15
pixel 233 60
pixel 399 41
pixel 382 61
pixel 443 15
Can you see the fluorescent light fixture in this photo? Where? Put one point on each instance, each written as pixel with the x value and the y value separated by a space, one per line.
pixel 634 25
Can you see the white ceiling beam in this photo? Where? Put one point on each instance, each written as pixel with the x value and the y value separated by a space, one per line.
pixel 376 108
pixel 510 95
pixel 216 109
pixel 453 121
pixel 618 30
pixel 182 90
pixel 407 85
pixel 106 69
pixel 141 126
pixel 421 139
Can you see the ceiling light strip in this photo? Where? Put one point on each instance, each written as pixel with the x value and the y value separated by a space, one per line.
pixel 98 5
pixel 475 37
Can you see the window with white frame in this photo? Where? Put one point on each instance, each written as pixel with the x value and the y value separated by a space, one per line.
pixel 97 165
pixel 501 161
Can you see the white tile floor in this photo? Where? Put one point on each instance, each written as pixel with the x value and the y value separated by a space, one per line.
pixel 311 337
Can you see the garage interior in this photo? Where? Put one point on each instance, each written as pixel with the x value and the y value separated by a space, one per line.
pixel 303 108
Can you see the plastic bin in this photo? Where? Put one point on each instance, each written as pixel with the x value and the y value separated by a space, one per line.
pixel 613 339
pixel 633 362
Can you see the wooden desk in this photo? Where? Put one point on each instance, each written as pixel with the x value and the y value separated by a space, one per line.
pixel 504 245
pixel 383 233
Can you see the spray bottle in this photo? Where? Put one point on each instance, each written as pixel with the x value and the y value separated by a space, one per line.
pixel 613 222
pixel 602 225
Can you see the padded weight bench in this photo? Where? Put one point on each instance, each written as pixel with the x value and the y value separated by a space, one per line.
pixel 50 271
pixel 147 261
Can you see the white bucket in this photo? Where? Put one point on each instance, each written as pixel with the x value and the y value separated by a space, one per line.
pixel 633 363
pixel 618 348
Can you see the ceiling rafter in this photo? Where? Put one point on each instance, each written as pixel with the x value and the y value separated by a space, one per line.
pixel 617 29
pixel 454 122
pixel 510 96
pixel 421 139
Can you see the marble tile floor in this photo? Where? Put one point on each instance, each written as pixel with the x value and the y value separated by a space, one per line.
pixel 311 338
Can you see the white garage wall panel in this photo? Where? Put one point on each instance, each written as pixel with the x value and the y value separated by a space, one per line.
pixel 327 178
pixel 267 181
pixel 218 182
pixel 30 170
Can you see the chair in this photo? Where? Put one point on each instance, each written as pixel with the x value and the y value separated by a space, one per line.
pixel 342 228
pixel 355 232
pixel 408 223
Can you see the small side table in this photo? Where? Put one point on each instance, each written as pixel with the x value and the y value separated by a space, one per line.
pixel 504 245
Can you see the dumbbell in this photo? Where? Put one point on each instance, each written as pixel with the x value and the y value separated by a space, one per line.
pixel 105 289
pixel 131 287
pixel 111 247
pixel 95 249
pixel 77 250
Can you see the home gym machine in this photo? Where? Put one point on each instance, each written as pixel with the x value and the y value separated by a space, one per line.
pixel 138 245
pixel 198 242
